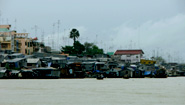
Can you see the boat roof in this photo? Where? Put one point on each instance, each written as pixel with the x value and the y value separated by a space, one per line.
pixel 2 71
pixel 15 71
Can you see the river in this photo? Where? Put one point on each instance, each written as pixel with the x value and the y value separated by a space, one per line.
pixel 141 91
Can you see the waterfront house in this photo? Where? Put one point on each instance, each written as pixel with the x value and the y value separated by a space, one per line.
pixel 16 63
pixel 127 73
pixel 128 56
pixel 47 72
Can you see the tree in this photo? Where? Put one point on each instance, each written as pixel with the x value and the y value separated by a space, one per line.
pixel 74 34
pixel 68 49
pixel 91 49
pixel 79 48
pixel 159 59
pixel 74 50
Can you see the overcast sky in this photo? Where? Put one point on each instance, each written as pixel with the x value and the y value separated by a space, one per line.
pixel 156 26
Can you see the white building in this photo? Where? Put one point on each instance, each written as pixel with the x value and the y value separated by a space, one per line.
pixel 131 56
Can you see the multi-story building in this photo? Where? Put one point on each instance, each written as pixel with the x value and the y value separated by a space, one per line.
pixel 10 40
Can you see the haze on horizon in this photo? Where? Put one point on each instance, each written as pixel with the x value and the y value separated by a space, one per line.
pixel 155 26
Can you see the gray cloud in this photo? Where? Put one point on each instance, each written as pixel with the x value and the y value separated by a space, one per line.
pixel 114 24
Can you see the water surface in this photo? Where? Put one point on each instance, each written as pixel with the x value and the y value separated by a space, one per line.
pixel 145 91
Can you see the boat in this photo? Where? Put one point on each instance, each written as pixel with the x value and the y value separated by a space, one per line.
pixel 100 77
pixel 2 72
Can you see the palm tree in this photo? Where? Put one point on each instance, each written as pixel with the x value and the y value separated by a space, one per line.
pixel 74 34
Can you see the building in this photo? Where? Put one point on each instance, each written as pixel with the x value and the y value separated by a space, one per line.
pixel 12 41
pixel 129 56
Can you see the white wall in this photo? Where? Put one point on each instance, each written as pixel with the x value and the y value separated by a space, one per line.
pixel 131 58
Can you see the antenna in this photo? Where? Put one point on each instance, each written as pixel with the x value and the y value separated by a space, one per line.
pixel 48 41
pixel 35 28
pixel 42 37
pixel 101 44
pixel 96 39
pixel 64 36
pixel 0 17
pixel 58 33
pixel 2 20
pixel 24 30
pixel 131 44
pixel 15 24
pixel 139 38
pixel 53 35
pixel 7 20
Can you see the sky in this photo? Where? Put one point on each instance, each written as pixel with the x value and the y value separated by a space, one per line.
pixel 155 26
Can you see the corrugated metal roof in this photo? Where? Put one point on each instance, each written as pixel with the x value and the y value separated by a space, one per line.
pixel 4 30
pixel 33 60
pixel 15 60
pixel 110 53
pixel 127 52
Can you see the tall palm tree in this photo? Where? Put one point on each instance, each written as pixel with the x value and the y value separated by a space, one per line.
pixel 74 34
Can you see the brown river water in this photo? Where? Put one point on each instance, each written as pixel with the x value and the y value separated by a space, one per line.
pixel 144 91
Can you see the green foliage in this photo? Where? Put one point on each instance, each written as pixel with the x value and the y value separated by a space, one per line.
pixel 159 59
pixel 87 49
pixel 73 50
pixel 68 49
pixel 42 45
pixel 79 48
pixel 91 49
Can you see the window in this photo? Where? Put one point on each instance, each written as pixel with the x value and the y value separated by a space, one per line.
pixel 128 55
pixel 31 44
pixel 3 45
pixel 28 44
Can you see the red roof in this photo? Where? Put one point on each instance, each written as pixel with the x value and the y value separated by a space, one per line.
pixel 35 38
pixel 126 52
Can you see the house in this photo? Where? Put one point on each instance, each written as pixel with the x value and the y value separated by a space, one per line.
pixel 129 56
pixel 16 64
pixel 127 73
